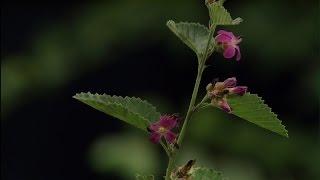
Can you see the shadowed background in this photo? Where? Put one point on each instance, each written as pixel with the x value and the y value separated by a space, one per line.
pixel 50 51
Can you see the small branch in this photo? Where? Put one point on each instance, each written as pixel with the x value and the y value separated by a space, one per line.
pixel 205 98
pixel 201 67
pixel 196 87
pixel 170 167
pixel 165 148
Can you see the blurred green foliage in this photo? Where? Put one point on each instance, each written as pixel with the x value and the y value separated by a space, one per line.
pixel 74 46
pixel 124 154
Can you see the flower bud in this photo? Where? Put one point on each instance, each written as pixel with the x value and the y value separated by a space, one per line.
pixel 230 82
pixel 239 90
pixel 219 92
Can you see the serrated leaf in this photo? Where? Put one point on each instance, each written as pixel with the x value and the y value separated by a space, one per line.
pixel 201 173
pixel 144 177
pixel 220 16
pixel 194 35
pixel 252 108
pixel 132 110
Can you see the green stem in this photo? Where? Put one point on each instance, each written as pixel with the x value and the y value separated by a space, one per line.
pixel 191 105
pixel 201 67
pixel 170 166
pixel 184 127
pixel 205 98
pixel 165 148
pixel 182 132
pixel 196 87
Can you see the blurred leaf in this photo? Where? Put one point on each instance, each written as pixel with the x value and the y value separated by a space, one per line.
pixel 124 154
pixel 251 107
pixel 194 35
pixel 144 177
pixel 206 174
pixel 220 16
pixel 132 110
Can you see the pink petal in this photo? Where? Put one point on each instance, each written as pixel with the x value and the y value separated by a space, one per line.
pixel 154 127
pixel 222 38
pixel 227 33
pixel 155 137
pixel 223 104
pixel 230 82
pixel 170 137
pixel 168 122
pixel 229 52
pixel 239 90
pixel 238 53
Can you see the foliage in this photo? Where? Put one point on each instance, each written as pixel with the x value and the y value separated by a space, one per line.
pixel 132 110
pixel 252 108
pixel 194 35
pixel 144 177
pixel 140 113
pixel 202 173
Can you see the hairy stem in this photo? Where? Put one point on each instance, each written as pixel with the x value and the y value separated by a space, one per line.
pixel 170 166
pixel 191 105
pixel 165 148
pixel 201 67
pixel 182 132
pixel 205 98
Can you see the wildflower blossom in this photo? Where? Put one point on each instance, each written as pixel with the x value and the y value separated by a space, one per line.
pixel 229 44
pixel 219 92
pixel 163 128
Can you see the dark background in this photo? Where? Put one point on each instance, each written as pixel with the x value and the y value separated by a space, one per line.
pixel 52 50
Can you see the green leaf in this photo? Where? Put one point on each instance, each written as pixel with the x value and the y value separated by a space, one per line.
pixel 251 107
pixel 201 173
pixel 194 35
pixel 132 110
pixel 220 16
pixel 144 177
pixel 189 172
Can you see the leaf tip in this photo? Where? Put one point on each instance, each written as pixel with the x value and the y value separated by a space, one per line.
pixel 286 134
pixel 237 21
pixel 76 96
pixel 170 22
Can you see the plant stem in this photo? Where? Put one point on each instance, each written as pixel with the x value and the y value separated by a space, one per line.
pixel 165 148
pixel 170 166
pixel 182 132
pixel 205 98
pixel 201 67
pixel 191 105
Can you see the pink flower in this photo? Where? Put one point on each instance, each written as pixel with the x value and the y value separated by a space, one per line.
pixel 229 43
pixel 162 128
pixel 230 82
pixel 219 91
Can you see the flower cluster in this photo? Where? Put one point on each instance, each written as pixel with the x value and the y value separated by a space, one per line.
pixel 219 91
pixel 163 128
pixel 229 43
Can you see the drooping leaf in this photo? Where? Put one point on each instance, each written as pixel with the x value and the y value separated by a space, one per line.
pixel 144 177
pixel 132 110
pixel 194 35
pixel 202 173
pixel 251 107
pixel 220 16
